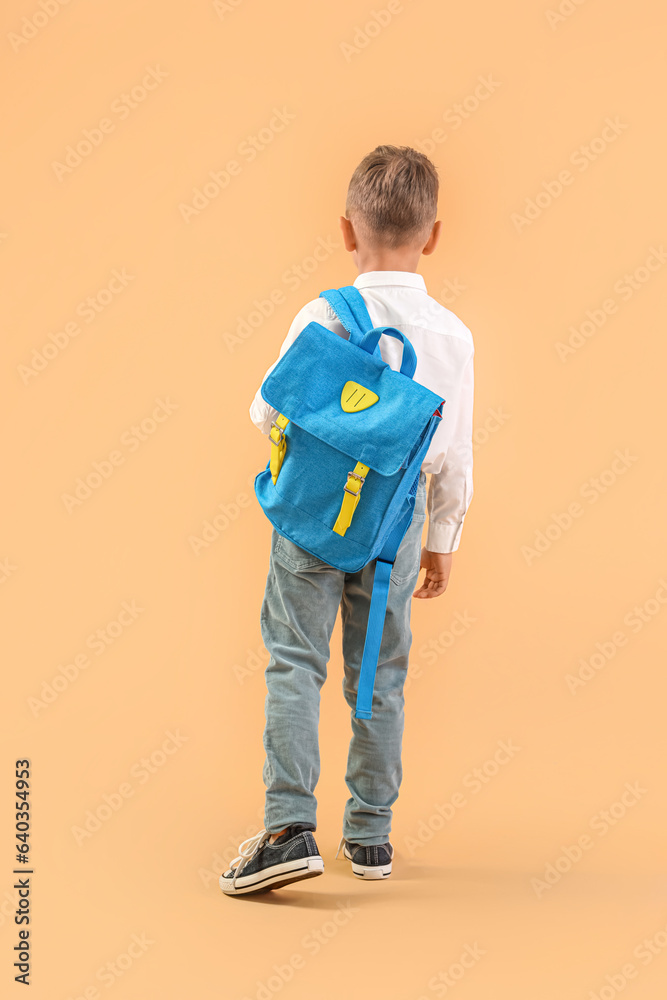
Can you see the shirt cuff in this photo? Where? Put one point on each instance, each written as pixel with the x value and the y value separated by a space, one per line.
pixel 443 537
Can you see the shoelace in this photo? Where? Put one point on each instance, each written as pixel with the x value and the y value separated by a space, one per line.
pixel 248 849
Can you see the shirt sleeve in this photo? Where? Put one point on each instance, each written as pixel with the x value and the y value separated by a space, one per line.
pixel 261 413
pixel 451 489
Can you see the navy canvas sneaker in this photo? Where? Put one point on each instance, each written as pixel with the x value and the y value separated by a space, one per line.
pixel 261 866
pixel 368 862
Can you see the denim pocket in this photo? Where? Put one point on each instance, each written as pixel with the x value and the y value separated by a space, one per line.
pixel 408 557
pixel 293 556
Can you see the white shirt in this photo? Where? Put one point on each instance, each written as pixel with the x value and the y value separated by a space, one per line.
pixel 445 350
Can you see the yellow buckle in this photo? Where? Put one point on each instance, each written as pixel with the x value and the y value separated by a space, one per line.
pixel 281 432
pixel 278 445
pixel 362 480
pixel 349 504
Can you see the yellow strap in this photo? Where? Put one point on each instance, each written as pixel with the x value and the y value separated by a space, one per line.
pixel 278 445
pixel 352 489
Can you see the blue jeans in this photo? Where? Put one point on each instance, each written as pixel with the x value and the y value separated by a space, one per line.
pixel 298 614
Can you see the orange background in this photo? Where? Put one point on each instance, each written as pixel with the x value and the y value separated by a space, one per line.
pixel 191 662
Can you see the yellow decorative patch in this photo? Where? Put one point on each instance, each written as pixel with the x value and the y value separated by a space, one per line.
pixel 356 397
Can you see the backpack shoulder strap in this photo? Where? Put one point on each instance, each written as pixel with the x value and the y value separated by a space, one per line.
pixel 350 308
pixel 378 606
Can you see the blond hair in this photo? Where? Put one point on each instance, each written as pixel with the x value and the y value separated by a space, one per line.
pixel 393 196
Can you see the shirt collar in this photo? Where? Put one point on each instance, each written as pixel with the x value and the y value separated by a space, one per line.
pixel 409 278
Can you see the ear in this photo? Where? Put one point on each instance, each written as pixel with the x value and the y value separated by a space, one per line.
pixel 432 241
pixel 349 239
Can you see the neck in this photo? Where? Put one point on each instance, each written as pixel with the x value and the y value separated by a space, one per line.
pixel 387 260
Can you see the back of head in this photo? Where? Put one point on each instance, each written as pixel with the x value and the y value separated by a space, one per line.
pixel 392 198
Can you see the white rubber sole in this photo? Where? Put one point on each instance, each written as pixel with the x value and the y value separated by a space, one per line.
pixel 368 871
pixel 277 875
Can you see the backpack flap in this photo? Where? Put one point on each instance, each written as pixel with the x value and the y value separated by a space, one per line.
pixel 310 386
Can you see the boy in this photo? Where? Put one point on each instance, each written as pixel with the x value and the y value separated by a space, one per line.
pixel 389 222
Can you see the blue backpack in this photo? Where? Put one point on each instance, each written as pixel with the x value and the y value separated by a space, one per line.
pixel 339 404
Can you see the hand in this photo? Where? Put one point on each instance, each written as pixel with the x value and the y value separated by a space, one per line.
pixel 438 566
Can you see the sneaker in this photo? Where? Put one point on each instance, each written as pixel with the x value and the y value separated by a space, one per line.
pixel 368 862
pixel 261 866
